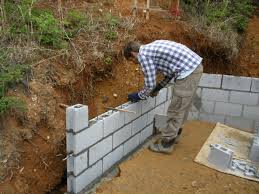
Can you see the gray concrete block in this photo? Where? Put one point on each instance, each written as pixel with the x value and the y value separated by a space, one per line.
pixel 161 97
pixel 214 95
pixel 193 116
pixel 76 117
pixel 112 158
pixel 257 124
pixel 131 144
pixel 169 92
pixel 203 106
pixel 251 112
pixel 212 117
pixel 122 135
pixel 150 116
pixel 244 98
pixel 136 107
pixel 239 122
pixel 210 80
pixel 220 156
pixel 255 85
pixel 160 121
pixel 160 109
pixel 113 122
pixel 254 150
pixel 146 133
pixel 77 164
pixel 236 83
pixel 139 124
pixel 167 104
pixel 88 137
pixel 228 109
pixel 100 149
pixel 77 184
pixel 148 104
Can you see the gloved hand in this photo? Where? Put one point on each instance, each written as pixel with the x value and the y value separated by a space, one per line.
pixel 134 97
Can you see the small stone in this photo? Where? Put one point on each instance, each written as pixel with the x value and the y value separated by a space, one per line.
pixel 34 170
pixel 137 69
pixel 48 137
pixel 115 95
pixel 194 183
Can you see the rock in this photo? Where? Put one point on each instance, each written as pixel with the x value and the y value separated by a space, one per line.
pixel 115 95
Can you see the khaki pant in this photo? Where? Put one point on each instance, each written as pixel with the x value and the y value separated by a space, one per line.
pixel 182 96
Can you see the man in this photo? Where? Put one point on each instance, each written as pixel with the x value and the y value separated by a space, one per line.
pixel 176 61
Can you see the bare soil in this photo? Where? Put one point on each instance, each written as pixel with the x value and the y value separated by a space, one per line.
pixel 152 173
pixel 35 141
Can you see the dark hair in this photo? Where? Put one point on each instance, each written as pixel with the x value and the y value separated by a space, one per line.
pixel 132 46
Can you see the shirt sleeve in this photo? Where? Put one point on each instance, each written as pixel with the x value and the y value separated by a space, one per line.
pixel 149 71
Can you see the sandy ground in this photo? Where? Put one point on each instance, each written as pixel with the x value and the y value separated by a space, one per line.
pixel 152 173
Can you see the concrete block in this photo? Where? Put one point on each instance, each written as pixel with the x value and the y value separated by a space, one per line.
pixel 169 92
pixel 136 107
pixel 77 184
pixel 146 133
pixel 160 121
pixel 150 116
pixel 210 80
pixel 220 156
pixel 161 96
pixel 251 112
pixel 113 122
pixel 193 116
pixel 228 109
pixel 257 124
pixel 244 98
pixel 112 158
pixel 203 106
pixel 76 164
pixel 236 83
pixel 160 109
pixel 139 124
pixel 122 135
pixel 212 117
pixel 88 137
pixel 77 117
pixel 214 95
pixel 255 85
pixel 254 150
pixel 148 104
pixel 100 149
pixel 239 122
pixel 131 144
pixel 167 104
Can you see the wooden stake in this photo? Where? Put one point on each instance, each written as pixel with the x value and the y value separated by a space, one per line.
pixel 147 10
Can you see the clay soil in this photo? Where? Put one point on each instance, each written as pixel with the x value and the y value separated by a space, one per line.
pixel 151 173
pixel 36 142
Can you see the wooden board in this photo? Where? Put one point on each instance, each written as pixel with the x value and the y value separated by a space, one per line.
pixel 234 139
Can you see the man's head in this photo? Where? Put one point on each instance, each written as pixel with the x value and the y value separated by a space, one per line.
pixel 131 50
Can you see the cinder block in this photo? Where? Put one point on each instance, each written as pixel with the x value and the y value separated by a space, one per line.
pixel 254 150
pixel 257 125
pixel 136 107
pixel 122 135
pixel 214 95
pixel 88 137
pixel 212 117
pixel 167 104
pixel 76 164
pixel 100 149
pixel 193 116
pixel 251 112
pixel 113 122
pixel 160 121
pixel 148 104
pixel 210 80
pixel 77 184
pixel 236 83
pixel 131 144
pixel 161 96
pixel 146 133
pixel 244 98
pixel 255 85
pixel 203 106
pixel 77 117
pixel 228 109
pixel 239 122
pixel 169 92
pixel 220 156
pixel 139 124
pixel 160 109
pixel 150 116
pixel 112 158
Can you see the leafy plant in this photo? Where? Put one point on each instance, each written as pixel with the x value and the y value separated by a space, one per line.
pixel 111 35
pixel 108 60
pixel 9 103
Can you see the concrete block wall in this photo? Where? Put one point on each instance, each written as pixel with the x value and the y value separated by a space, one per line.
pixel 94 146
pixel 231 100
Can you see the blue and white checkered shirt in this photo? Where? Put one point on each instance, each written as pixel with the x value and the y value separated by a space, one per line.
pixel 167 57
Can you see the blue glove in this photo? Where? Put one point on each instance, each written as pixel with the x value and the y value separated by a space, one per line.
pixel 134 97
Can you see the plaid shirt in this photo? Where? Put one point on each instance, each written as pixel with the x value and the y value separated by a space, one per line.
pixel 167 57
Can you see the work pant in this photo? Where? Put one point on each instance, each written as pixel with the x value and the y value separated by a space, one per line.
pixel 183 93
